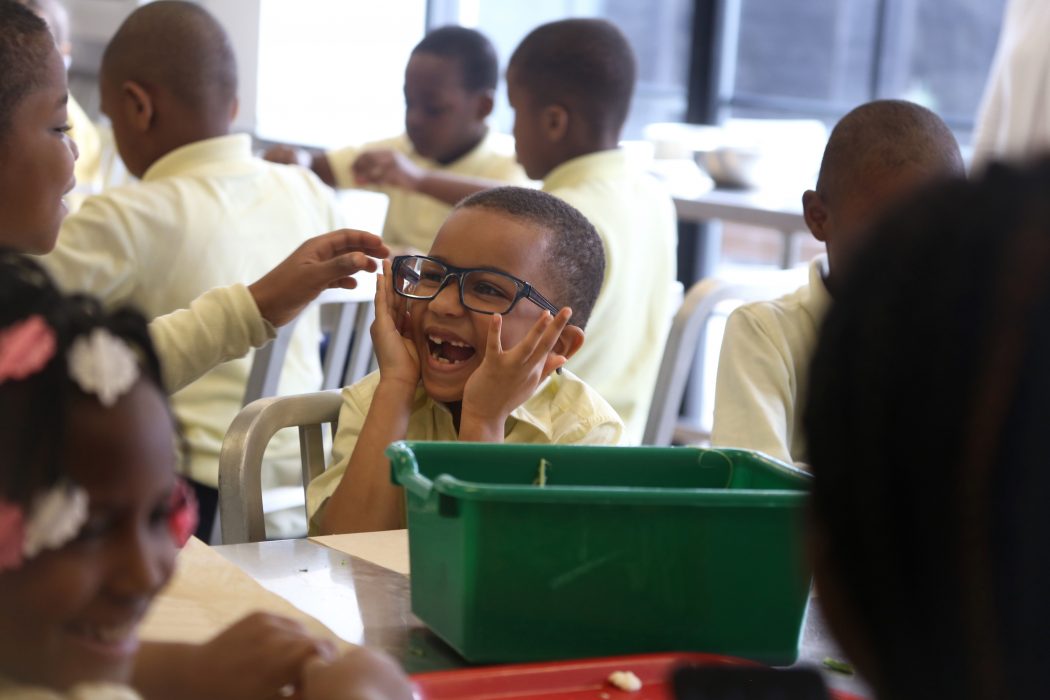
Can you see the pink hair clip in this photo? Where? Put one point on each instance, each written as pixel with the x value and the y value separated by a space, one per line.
pixel 12 535
pixel 25 348
pixel 182 514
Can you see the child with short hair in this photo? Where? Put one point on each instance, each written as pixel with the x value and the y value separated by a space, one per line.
pixel 570 84
pixel 36 170
pixel 468 339
pixel 205 213
pixel 450 81
pixel 926 420
pixel 876 154
pixel 91 515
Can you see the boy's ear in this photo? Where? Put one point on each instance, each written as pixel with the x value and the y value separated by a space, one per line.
pixel 568 343
pixel 486 102
pixel 137 104
pixel 554 121
pixel 815 211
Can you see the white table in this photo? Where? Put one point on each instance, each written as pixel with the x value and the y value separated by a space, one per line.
pixel 368 604
pixel 780 210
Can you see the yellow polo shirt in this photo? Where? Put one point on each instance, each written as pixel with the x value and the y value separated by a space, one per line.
pixel 562 410
pixel 413 219
pixel 205 215
pixel 636 220
pixel 763 370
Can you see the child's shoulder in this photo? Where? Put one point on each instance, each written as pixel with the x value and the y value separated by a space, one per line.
pixel 569 409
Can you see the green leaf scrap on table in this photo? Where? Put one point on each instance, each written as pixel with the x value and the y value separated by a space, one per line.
pixel 541 475
pixel 839 666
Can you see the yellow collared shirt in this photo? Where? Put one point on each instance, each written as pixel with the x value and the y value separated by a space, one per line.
pixel 627 331
pixel 763 370
pixel 562 410
pixel 205 215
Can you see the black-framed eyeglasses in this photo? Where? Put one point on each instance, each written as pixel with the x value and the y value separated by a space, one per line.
pixel 480 290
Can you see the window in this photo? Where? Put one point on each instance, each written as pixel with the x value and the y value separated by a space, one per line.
pixel 820 58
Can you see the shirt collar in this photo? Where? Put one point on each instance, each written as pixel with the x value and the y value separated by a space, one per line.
pixel 819 298
pixel 535 411
pixel 583 168
pixel 233 147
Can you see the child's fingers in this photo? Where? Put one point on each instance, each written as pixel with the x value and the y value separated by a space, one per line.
pixel 549 338
pixel 495 343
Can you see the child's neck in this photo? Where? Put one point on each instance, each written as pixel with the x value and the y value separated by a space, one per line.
pixel 456 409
pixel 465 149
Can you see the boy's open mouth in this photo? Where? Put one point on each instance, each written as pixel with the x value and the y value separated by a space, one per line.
pixel 447 351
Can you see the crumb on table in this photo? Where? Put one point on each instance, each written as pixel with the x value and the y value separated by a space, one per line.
pixel 625 680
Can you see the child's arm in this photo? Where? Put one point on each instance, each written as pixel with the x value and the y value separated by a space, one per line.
pixel 359 674
pixel 505 379
pixel 393 169
pixel 289 155
pixel 226 323
pixel 365 500
pixel 254 658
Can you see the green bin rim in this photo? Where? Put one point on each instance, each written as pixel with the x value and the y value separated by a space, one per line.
pixel 405 472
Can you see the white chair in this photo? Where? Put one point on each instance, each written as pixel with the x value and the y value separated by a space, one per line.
pixel 684 359
pixel 241 513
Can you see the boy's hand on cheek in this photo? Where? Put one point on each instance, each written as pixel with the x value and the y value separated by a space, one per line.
pixel 505 379
pixel 386 167
pixel 391 331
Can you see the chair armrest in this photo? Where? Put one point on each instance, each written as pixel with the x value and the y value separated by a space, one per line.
pixel 240 460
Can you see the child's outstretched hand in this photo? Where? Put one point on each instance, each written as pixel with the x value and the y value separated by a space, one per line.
pixel 387 167
pixel 322 262
pixel 359 674
pixel 505 379
pixel 391 332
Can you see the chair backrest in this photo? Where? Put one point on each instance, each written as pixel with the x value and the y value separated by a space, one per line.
pixel 241 457
pixel 349 349
pixel 683 359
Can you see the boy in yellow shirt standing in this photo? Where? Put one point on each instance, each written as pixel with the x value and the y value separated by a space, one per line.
pixel 206 213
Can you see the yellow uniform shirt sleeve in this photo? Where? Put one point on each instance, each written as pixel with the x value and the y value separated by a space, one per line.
pixel 754 390
pixel 220 325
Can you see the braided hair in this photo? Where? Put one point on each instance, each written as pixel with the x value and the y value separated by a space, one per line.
pixel 929 399
pixel 34 410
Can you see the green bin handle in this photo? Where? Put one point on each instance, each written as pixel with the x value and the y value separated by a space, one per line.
pixel 404 470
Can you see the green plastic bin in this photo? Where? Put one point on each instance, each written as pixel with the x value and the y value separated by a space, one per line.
pixel 625 550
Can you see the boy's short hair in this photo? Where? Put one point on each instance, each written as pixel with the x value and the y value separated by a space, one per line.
pixel 475 53
pixel 180 46
pixel 25 43
pixel 587 64
pixel 575 254
pixel 884 136
pixel 929 398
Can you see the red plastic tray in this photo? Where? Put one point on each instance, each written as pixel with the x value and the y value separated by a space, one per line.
pixel 567 680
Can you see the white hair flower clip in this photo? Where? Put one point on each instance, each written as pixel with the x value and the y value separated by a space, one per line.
pixel 104 365
pixel 55 518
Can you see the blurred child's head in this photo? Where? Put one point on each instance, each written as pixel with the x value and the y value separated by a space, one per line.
pixel 876 154
pixel 570 84
pixel 168 79
pixel 450 82
pixel 57 17
pixel 87 482
pixel 36 156
pixel 532 236
pixel 929 402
